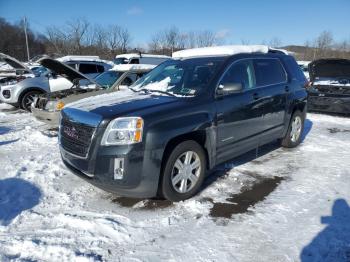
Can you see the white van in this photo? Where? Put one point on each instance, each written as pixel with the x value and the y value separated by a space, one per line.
pixel 138 58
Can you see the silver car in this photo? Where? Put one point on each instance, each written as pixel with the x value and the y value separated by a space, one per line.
pixel 22 94
pixel 46 108
pixel 13 71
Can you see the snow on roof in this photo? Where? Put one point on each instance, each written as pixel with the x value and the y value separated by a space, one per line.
pixel 78 58
pixel 129 67
pixel 136 55
pixel 224 50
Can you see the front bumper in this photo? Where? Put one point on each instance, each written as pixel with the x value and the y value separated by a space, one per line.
pixel 327 103
pixel 141 168
pixel 50 118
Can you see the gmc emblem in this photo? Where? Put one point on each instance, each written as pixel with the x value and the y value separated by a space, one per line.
pixel 71 132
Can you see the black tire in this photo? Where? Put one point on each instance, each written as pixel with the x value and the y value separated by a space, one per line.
pixel 25 103
pixel 166 187
pixel 288 140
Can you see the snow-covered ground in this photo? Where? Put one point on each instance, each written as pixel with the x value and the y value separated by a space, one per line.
pixel 299 204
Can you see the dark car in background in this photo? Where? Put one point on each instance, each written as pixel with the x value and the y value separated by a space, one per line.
pixel 186 116
pixel 330 86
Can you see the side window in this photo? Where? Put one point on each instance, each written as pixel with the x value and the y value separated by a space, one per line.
pixel 134 61
pixel 294 70
pixel 129 79
pixel 269 72
pixel 241 72
pixel 88 68
pixel 72 65
pixel 100 68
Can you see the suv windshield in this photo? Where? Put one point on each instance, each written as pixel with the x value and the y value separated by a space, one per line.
pixel 180 77
pixel 107 79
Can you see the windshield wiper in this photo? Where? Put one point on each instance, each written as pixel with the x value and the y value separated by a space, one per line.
pixel 156 91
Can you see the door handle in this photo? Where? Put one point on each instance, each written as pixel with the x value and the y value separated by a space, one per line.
pixel 286 88
pixel 256 96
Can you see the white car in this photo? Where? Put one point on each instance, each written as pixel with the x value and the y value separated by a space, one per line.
pixel 138 58
pixel 23 93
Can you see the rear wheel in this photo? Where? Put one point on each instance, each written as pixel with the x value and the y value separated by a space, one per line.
pixel 28 99
pixel 295 129
pixel 184 171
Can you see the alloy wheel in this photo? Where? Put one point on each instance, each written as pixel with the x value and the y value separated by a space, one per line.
pixel 186 172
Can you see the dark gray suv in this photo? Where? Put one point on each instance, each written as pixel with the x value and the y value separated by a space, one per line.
pixel 183 118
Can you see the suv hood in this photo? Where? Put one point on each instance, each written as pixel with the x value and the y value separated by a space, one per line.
pixel 121 103
pixel 13 62
pixel 63 70
pixel 329 68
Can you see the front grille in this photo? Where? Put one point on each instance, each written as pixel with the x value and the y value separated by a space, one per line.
pixel 75 138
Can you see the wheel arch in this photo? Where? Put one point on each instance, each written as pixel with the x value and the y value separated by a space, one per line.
pixel 26 91
pixel 198 136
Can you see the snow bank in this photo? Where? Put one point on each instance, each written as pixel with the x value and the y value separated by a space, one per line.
pixel 305 217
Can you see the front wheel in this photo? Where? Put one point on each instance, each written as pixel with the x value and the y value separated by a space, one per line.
pixel 28 99
pixel 184 171
pixel 295 129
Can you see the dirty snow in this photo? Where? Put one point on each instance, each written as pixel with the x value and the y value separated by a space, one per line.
pixel 48 214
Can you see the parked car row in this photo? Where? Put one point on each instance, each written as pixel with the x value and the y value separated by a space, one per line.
pixel 157 129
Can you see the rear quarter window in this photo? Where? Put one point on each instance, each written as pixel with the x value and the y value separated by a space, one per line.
pixel 269 72
pixel 88 68
pixel 293 69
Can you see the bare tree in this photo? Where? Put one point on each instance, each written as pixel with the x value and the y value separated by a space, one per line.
pixel 125 39
pixel 77 31
pixel 323 44
pixel 275 42
pixel 205 38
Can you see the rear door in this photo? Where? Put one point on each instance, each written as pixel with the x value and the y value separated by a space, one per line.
pixel 239 115
pixel 271 80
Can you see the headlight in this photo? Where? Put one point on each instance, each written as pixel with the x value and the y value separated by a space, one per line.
pixel 123 131
pixel 59 105
pixel 50 106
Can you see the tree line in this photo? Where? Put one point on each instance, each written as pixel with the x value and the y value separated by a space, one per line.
pixel 80 37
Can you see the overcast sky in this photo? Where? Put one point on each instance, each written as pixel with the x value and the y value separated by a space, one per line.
pixel 253 21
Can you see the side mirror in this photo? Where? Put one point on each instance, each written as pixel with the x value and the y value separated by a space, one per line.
pixel 229 88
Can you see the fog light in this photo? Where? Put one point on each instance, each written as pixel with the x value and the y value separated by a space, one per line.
pixel 6 93
pixel 118 168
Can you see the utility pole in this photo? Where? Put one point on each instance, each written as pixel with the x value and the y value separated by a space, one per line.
pixel 25 32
